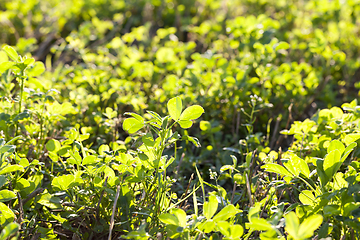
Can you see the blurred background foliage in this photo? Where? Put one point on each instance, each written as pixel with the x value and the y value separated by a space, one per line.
pixel 280 60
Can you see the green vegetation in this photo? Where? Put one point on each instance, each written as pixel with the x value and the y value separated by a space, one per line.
pixel 161 119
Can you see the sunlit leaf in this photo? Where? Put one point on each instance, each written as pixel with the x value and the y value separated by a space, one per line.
pixel 226 213
pixel 132 125
pixel 11 53
pixel 9 230
pixel 210 207
pixel 309 225
pixel 6 195
pixel 260 224
pixel 276 168
pixel 174 106
pixel 292 224
pixel 350 138
pixel 330 163
pixel 53 145
pixel 192 112
pixel 11 168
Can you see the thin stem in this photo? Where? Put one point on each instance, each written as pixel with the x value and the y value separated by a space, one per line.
pixel 113 213
pixel 21 77
pixel 21 89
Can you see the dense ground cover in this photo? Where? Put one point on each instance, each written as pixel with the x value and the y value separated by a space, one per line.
pixel 204 119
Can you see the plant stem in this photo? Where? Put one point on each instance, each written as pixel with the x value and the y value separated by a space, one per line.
pixel 21 94
pixel 21 89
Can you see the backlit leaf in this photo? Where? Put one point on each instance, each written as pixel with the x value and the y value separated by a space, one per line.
pixel 350 138
pixel 53 145
pixel 168 218
pixel 336 144
pixel 185 123
pixel 6 195
pixel 11 168
pixel 180 215
pixel 192 112
pixel 276 168
pixel 6 215
pixel 63 182
pixel 9 230
pixel 210 207
pixel 306 197
pixel 260 224
pixel 292 224
pixel 174 106
pixel 309 225
pixel 330 162
pixel 11 53
pixel 132 125
pixel 226 213
pixel 91 159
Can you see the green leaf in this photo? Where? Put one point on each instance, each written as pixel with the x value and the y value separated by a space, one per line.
pixel 155 116
pixel 11 53
pixel 29 61
pixel 260 224
pixel 236 231
pixel 5 66
pixel 207 226
pixel 336 145
pixel 36 70
pixel 103 148
pixel 3 57
pixel 6 195
pixel 331 210
pixel 168 218
pixel 53 145
pixel 254 211
pixel 224 228
pixel 174 106
pixel 7 148
pixel 194 140
pixel 11 168
pixel 50 201
pixel 330 163
pixel 180 215
pixel 210 207
pixel 306 197
pixel 134 115
pixel 205 126
pixel 9 230
pixel 63 182
pixel 165 54
pixel 110 113
pixel 350 138
pixel 132 125
pixel 185 123
pixel 292 224
pixel 282 46
pixel 148 140
pixel 192 112
pixel 348 207
pixel 296 165
pixel 3 180
pixel 348 150
pixel 276 168
pixel 309 225
pixel 225 213
pixel 6 215
pixel 91 159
